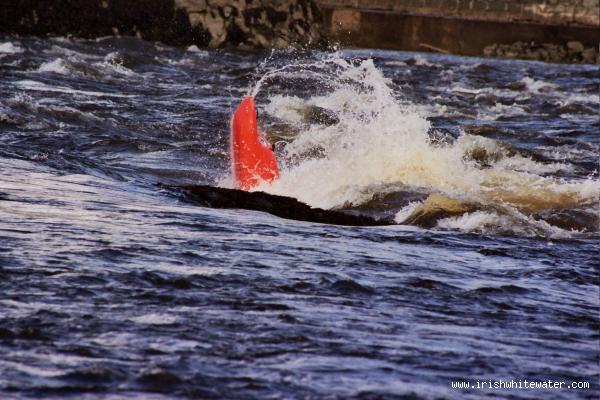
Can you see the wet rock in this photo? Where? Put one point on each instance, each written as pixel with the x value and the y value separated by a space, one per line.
pixel 82 351
pixel 517 86
pixel 283 207
pixel 276 132
pixel 160 280
pixel 570 52
pixel 483 130
pixel 159 378
pixel 590 56
pixel 287 318
pixel 348 286
pixel 32 333
pixel 6 333
pixel 384 206
pixel 573 219
pixel 320 115
pixel 575 47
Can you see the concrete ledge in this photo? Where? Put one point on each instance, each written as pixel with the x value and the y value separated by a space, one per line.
pixel 391 30
pixel 553 12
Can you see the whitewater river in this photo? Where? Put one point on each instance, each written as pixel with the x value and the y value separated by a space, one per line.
pixel 484 171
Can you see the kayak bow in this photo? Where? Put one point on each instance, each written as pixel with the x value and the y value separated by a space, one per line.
pixel 252 157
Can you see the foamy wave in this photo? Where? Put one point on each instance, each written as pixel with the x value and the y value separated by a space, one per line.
pixel 74 65
pixel 581 98
pixel 502 157
pixel 406 211
pixel 380 144
pixel 286 108
pixel 113 63
pixel 58 66
pixel 39 86
pixel 494 223
pixel 394 63
pixel 423 62
pixel 71 54
pixel 538 86
pixel 460 89
pixel 155 319
pixel 10 48
pixel 501 110
pixel 194 49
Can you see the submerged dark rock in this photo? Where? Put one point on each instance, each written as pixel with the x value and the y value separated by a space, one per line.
pixel 570 52
pixel 281 206
pixel 320 115
pixel 578 220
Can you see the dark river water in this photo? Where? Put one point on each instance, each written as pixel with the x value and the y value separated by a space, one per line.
pixel 113 287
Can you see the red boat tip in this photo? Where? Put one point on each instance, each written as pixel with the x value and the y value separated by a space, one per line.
pixel 252 157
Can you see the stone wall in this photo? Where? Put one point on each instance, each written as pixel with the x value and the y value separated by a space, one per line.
pixel 544 30
pixel 256 23
pixel 214 23
pixel 352 27
pixel 469 27
pixel 579 12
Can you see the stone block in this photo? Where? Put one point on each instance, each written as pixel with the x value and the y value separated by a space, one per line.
pixel 192 5
pixel 575 47
pixel 583 16
pixel 496 6
pixel 591 5
pixel 590 55
pixel 218 3
pixel 196 19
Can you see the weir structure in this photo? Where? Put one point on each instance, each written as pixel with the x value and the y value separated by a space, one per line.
pixel 548 30
pixel 551 30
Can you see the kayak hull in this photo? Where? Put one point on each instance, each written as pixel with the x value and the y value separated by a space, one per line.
pixel 252 158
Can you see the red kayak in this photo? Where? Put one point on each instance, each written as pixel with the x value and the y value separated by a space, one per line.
pixel 252 157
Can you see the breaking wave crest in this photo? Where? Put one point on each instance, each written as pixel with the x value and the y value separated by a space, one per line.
pixel 112 64
pixel 9 48
pixel 375 143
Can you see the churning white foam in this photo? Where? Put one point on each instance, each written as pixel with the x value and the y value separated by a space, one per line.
pixel 10 48
pixel 382 143
pixel 155 319
pixel 538 86
pixel 78 64
pixel 495 223
pixel 42 87
pixel 199 52
pixel 58 66
pixel 423 62
pixel 113 63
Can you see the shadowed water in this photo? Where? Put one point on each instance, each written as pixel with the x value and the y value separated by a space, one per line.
pixel 112 286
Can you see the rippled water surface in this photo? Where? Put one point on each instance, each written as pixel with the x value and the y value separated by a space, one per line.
pixel 112 286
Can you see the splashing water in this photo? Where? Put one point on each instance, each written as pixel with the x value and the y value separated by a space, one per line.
pixel 382 144
pixel 112 287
